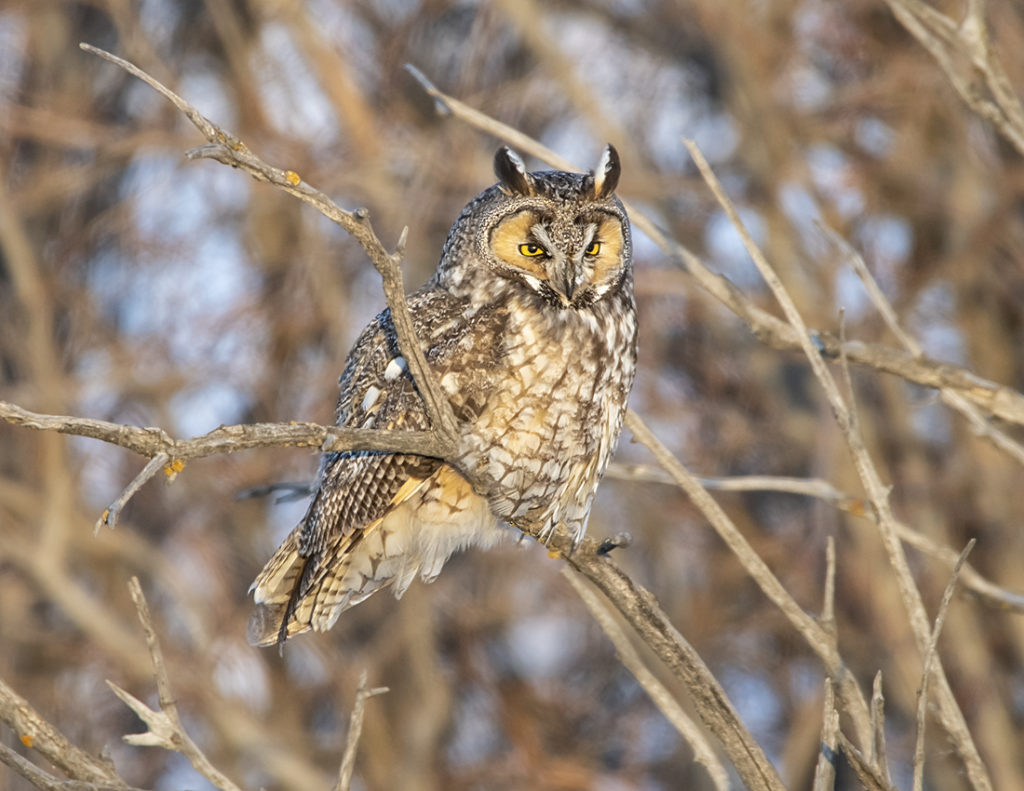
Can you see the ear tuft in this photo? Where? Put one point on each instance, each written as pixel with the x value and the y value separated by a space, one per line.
pixel 511 171
pixel 606 174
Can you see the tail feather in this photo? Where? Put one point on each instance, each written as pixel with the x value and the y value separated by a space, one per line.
pixel 427 519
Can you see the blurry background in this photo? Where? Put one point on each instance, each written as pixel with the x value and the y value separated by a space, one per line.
pixel 137 287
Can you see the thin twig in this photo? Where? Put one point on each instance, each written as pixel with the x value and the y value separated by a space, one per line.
pixel 951 715
pixel 952 397
pixel 986 591
pixel 355 730
pixel 922 694
pixel 865 771
pixel 165 727
pixel 877 754
pixel 109 517
pixel 658 692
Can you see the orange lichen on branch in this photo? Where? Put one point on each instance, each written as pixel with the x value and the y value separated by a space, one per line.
pixel 171 470
pixel 292 178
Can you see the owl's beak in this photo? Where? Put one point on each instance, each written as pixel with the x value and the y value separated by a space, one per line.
pixel 566 278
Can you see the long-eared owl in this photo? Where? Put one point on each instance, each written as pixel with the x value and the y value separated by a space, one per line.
pixel 529 324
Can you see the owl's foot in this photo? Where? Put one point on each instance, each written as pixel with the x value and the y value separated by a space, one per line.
pixel 618 541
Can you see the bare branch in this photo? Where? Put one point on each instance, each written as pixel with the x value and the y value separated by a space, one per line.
pixel 950 713
pixel 986 591
pixel 815 634
pixel 950 396
pixel 165 727
pixel 35 732
pixel 825 769
pixel 963 52
pixel 109 517
pixel 877 754
pixel 47 782
pixel 355 730
pixel 922 694
pixel 642 612
pixel 150 442
pixel 230 150
pixel 865 771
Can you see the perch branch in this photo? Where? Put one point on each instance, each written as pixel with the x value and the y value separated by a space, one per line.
pixel 658 692
pixel 645 616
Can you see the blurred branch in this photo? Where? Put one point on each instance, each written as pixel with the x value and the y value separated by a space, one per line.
pixel 950 713
pixel 47 782
pixel 964 53
pixel 825 769
pixel 998 400
pixel 165 727
pixel 658 692
pixel 817 635
pixel 987 592
pixel 950 396
pixel 355 730
pixel 922 694
pixel 38 734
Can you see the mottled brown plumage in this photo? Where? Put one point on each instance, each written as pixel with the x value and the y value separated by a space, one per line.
pixel 529 324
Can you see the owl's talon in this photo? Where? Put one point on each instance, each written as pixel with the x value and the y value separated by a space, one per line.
pixel 618 541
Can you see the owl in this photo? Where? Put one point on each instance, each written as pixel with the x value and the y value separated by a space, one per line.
pixel 529 325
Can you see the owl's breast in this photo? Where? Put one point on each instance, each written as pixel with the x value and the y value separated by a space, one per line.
pixel 553 410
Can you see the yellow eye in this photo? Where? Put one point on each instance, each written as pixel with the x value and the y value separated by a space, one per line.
pixel 532 250
pixel 594 249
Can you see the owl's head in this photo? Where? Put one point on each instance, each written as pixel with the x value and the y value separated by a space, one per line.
pixel 562 236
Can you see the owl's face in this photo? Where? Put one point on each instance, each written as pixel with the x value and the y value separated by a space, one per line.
pixel 563 237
